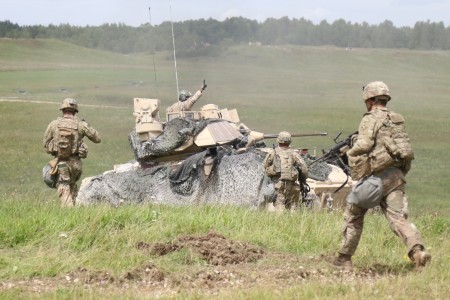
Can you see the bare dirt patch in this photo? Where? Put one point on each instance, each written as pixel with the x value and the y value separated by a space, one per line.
pixel 214 248
pixel 229 264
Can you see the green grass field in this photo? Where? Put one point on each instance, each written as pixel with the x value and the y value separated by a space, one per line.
pixel 299 89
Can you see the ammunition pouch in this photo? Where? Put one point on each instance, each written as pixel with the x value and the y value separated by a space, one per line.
pixel 270 170
pixel 51 148
pixel 83 150
pixel 380 160
pixel 359 166
pixel 289 174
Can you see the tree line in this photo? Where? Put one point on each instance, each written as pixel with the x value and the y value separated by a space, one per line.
pixel 195 36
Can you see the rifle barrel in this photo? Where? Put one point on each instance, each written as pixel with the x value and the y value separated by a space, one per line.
pixel 274 136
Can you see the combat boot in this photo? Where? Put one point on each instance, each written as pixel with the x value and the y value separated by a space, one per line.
pixel 343 262
pixel 421 259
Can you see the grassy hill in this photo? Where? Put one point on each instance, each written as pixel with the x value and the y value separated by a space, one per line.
pixel 299 89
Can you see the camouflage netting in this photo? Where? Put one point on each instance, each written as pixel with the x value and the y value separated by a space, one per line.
pixel 317 171
pixel 236 179
pixel 175 133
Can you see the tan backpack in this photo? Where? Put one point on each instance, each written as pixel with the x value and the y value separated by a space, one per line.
pixel 67 138
pixel 284 164
pixel 399 144
pixel 394 144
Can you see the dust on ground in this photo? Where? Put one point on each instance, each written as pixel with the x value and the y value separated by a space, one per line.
pixel 227 264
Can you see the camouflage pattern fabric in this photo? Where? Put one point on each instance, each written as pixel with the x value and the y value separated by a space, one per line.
pixel 70 168
pixel 185 105
pixel 287 191
pixel 394 202
pixel 69 172
pixel 394 206
pixel 84 130
pixel 287 195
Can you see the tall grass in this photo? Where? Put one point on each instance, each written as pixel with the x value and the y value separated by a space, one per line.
pixel 299 89
pixel 41 240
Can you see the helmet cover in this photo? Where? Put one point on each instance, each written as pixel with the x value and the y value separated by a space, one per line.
pixel 69 103
pixel 284 137
pixel 376 89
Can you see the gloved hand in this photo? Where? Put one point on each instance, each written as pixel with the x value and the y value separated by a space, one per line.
pixel 204 85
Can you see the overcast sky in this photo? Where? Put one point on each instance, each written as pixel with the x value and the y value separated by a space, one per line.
pixel 137 12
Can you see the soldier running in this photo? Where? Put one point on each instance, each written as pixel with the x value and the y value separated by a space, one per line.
pixel 64 140
pixel 382 149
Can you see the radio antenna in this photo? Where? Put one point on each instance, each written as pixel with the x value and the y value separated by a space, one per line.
pixel 153 52
pixel 174 53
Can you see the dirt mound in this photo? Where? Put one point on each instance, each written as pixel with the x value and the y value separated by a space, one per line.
pixel 85 276
pixel 230 264
pixel 214 248
pixel 146 271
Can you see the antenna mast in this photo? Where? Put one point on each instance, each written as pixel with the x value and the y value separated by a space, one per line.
pixel 153 52
pixel 150 14
pixel 174 54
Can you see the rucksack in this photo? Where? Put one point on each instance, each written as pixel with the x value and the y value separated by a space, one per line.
pixel 67 137
pixel 394 146
pixel 399 144
pixel 284 164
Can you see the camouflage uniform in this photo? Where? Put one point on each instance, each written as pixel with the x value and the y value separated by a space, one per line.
pixel 287 191
pixel 185 105
pixel 394 203
pixel 69 169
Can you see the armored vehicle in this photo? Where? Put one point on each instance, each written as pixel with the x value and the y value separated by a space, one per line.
pixel 204 156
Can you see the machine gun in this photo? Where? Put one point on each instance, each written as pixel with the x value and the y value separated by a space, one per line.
pixel 334 155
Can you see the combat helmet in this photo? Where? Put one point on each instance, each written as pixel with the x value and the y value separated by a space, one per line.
pixel 69 103
pixel 184 95
pixel 284 137
pixel 376 89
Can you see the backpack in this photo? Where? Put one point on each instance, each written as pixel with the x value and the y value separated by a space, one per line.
pixel 284 164
pixel 67 137
pixel 394 147
pixel 399 144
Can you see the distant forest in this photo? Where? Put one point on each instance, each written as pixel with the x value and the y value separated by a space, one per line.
pixel 200 36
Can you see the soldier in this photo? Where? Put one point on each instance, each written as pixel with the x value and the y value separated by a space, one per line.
pixel 281 165
pixel 64 140
pixel 186 100
pixel 385 151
